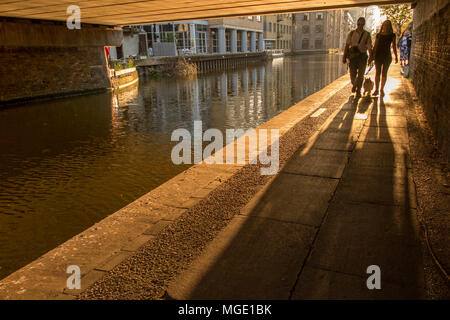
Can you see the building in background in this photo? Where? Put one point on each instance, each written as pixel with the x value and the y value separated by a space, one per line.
pixel 310 31
pixel 134 44
pixel 302 32
pixel 233 35
pixel 321 31
pixel 228 35
pixel 178 38
pixel 270 32
pixel 278 32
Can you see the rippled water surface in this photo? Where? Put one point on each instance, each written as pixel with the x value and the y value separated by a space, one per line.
pixel 68 163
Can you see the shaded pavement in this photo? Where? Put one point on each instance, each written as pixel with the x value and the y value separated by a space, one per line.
pixel 344 202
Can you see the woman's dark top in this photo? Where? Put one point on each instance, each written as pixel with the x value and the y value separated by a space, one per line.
pixel 384 46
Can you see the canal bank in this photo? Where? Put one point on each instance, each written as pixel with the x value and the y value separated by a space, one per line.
pixel 207 197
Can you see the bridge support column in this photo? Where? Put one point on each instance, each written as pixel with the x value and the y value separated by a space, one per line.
pixel 222 40
pixel 253 41
pixel 260 42
pixel 44 60
pixel 244 41
pixel 193 43
pixel 233 41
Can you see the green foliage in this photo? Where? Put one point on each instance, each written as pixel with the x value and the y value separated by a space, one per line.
pixel 184 68
pixel 153 73
pixel 399 14
pixel 117 66
pixel 179 67
pixel 120 65
pixel 169 37
pixel 130 63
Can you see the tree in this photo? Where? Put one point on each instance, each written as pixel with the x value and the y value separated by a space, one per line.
pixel 399 14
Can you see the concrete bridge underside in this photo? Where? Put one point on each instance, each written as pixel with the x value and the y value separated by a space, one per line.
pixel 118 12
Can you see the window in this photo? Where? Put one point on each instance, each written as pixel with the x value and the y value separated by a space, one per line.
pixel 306 17
pixel 319 16
pixel 319 28
pixel 305 29
pixel 270 26
pixel 258 18
pixel 250 17
pixel 228 41
pixel 318 44
pixel 305 44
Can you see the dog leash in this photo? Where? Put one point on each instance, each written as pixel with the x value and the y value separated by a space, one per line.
pixel 370 68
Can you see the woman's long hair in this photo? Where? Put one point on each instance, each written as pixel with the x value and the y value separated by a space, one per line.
pixel 387 27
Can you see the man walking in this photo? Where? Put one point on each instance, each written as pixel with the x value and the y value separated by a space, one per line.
pixel 358 43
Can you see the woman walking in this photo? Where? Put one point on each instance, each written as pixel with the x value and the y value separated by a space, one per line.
pixel 403 47
pixel 385 39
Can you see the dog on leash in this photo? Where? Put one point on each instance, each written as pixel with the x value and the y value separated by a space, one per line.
pixel 368 86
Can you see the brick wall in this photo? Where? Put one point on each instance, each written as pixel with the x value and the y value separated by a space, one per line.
pixel 41 71
pixel 430 65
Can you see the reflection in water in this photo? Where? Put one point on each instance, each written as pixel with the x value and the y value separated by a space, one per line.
pixel 66 164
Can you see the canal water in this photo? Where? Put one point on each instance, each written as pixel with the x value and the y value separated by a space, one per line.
pixel 68 163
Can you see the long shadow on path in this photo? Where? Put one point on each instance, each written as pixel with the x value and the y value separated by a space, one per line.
pixel 341 204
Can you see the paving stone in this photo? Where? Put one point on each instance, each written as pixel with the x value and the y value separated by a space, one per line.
pixel 137 243
pixel 361 106
pixel 373 154
pixel 380 185
pixel 319 284
pixel 316 162
pixel 157 227
pixel 355 236
pixel 336 139
pixel 386 121
pixel 391 223
pixel 384 134
pixel 252 258
pixel 389 109
pixel 296 198
pixel 86 281
pixel 355 124
pixel 110 263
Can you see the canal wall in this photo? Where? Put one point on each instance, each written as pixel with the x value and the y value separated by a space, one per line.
pixel 106 244
pixel 430 65
pixel 40 60
pixel 203 63
pixel 300 52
